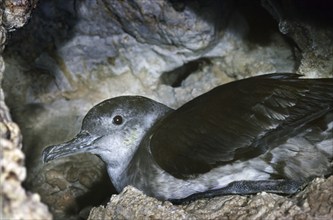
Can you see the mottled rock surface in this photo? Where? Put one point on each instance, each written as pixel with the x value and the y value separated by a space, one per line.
pixel 314 202
pixel 310 28
pixel 69 188
pixel 15 13
pixel 15 201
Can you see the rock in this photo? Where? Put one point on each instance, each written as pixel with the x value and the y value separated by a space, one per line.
pixel 16 202
pixel 314 202
pixel 72 185
pixel 16 13
pixel 194 28
pixel 309 25
pixel 133 204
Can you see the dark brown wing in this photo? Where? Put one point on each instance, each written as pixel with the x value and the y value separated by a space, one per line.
pixel 238 120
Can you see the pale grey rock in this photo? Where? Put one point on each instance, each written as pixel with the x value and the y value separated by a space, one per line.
pixel 97 42
pixel 314 202
pixel 15 201
pixel 15 13
pixel 133 204
pixel 160 24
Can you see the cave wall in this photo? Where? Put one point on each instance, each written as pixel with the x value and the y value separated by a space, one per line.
pixel 16 202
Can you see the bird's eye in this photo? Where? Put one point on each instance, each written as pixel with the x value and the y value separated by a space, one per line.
pixel 117 120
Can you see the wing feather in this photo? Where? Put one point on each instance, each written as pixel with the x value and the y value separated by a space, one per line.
pixel 238 120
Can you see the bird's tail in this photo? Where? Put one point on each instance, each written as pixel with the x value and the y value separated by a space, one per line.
pixel 308 154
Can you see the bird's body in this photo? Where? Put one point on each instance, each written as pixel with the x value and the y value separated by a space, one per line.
pixel 266 133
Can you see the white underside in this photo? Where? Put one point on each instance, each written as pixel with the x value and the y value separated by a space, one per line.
pixel 169 187
pixel 301 158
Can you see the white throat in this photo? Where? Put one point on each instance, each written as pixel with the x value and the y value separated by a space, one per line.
pixel 125 148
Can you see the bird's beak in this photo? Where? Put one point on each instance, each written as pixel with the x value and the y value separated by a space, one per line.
pixel 80 144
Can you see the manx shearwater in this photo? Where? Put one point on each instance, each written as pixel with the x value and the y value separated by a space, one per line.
pixel 267 133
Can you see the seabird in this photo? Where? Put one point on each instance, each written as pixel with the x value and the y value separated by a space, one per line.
pixel 268 133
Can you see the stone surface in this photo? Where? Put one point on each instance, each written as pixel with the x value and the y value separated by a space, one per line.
pixel 68 188
pixel 309 25
pixel 15 201
pixel 314 202
pixel 73 54
pixel 15 13
pixel 132 204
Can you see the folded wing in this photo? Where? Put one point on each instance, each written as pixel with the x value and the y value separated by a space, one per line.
pixel 238 121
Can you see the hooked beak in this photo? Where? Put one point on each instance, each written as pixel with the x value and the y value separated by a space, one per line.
pixel 83 142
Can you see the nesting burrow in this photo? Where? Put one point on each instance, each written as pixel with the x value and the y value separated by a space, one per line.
pixel 73 54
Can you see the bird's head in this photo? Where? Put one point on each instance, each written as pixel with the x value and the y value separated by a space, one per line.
pixel 113 129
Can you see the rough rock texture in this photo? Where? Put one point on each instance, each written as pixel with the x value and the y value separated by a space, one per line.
pixel 71 188
pixel 310 28
pixel 73 54
pixel 315 202
pixel 15 201
pixel 15 13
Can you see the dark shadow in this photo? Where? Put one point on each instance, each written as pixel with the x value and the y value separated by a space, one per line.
pixel 261 25
pixel 305 11
pixel 99 194
pixel 320 12
pixel 50 26
pixel 175 77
